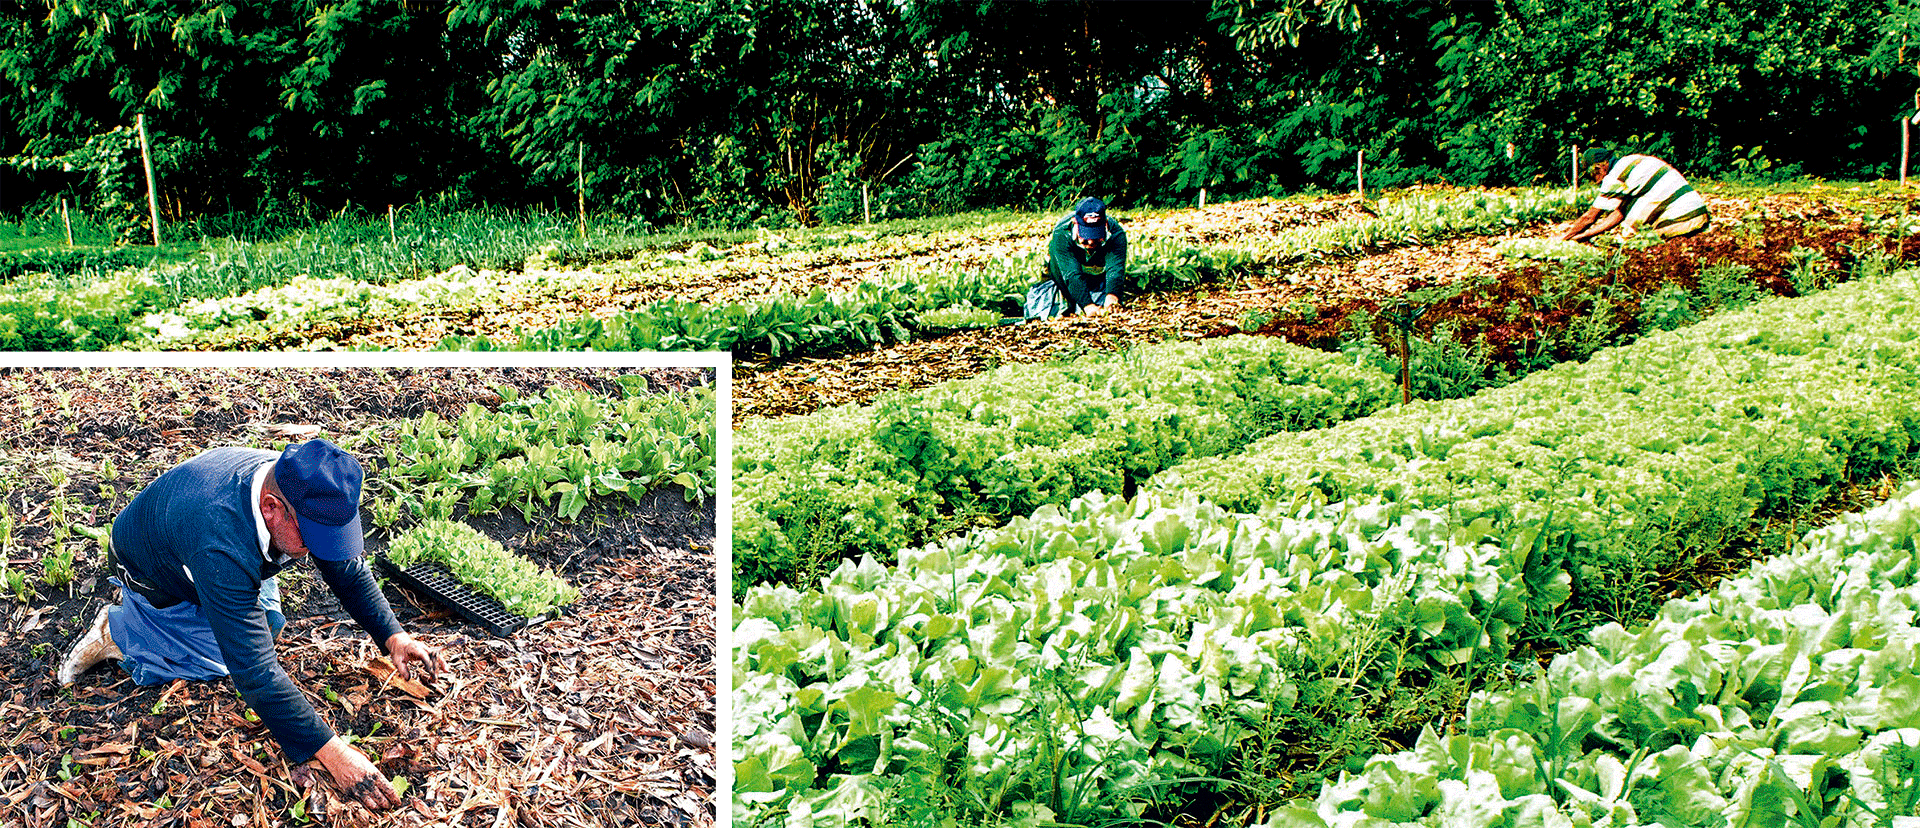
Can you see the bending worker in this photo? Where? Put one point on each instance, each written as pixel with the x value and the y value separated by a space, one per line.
pixel 1086 265
pixel 195 556
pixel 1638 191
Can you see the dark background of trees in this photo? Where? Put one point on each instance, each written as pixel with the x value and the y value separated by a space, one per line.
pixel 741 111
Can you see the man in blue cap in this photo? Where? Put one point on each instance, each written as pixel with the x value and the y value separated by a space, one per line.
pixel 1086 265
pixel 196 554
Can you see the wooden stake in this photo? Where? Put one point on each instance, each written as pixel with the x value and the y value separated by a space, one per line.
pixel 1360 173
pixel 146 160
pixel 1573 181
pixel 66 219
pixel 580 171
pixel 866 206
pixel 393 232
pixel 1203 198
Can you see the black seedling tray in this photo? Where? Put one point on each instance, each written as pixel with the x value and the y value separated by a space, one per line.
pixel 436 582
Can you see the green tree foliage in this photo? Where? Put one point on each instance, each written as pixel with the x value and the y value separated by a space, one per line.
pixel 744 112
pixel 1688 79
pixel 246 101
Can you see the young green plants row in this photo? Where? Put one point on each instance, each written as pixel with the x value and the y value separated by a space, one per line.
pixel 1636 459
pixel 1787 695
pixel 1099 658
pixel 855 480
pixel 843 689
pixel 557 450
pixel 480 562
pixel 873 311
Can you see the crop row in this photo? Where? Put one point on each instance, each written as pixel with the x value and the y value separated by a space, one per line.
pixel 874 311
pixel 872 479
pixel 1644 454
pixel 557 450
pixel 1083 660
pixel 37 313
pixel 1789 695
pixel 1081 663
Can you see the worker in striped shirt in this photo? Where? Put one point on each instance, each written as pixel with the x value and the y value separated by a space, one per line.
pixel 1638 191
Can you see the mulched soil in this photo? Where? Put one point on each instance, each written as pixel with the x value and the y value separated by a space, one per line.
pixel 1757 232
pixel 604 716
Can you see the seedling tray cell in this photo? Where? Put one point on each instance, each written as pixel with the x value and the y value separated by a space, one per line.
pixel 436 582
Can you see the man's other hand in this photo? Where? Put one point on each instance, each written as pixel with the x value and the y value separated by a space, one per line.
pixel 406 650
pixel 356 775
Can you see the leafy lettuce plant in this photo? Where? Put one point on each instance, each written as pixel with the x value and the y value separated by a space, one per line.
pixel 483 564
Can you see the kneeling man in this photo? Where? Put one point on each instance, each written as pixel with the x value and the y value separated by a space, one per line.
pixel 195 555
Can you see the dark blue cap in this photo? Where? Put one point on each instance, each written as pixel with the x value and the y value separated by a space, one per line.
pixel 322 484
pixel 1090 219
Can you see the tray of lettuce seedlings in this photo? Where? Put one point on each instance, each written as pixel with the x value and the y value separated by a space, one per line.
pixel 476 577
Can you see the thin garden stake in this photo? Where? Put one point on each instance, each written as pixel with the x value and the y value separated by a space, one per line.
pixel 393 232
pixel 67 220
pixel 580 170
pixel 866 205
pixel 146 160
pixel 1573 179
pixel 1360 174
pixel 1906 137
pixel 1203 198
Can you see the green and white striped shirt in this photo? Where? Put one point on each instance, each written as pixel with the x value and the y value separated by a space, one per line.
pixel 1651 191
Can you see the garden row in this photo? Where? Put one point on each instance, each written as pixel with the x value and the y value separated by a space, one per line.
pixel 554 451
pixel 1088 663
pixel 147 309
pixel 809 491
pixel 1640 457
pixel 904 470
pixel 1788 695
pixel 872 312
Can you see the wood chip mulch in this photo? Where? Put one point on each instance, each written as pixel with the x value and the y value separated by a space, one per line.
pixel 602 717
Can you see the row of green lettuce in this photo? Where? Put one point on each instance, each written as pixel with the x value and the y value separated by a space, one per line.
pixel 143 307
pixel 1788 695
pixel 1645 454
pixel 132 309
pixel 852 480
pixel 551 454
pixel 873 312
pixel 1077 665
pixel 1083 663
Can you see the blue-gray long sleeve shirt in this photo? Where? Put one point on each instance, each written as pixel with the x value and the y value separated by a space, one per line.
pixel 195 534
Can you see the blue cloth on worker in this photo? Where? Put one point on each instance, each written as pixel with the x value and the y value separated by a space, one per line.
pixel 1044 300
pixel 160 645
pixel 194 534
pixel 1076 277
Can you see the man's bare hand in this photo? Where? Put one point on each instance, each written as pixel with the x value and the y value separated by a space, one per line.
pixel 405 650
pixel 356 776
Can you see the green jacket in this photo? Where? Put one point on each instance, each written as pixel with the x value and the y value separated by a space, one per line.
pixel 1080 273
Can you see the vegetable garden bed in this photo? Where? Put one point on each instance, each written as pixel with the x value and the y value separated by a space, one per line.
pixel 1108 659
pixel 610 715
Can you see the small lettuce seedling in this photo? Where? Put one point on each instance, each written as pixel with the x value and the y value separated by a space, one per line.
pixel 483 564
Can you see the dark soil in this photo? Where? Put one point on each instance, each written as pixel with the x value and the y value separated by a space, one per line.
pixel 606 712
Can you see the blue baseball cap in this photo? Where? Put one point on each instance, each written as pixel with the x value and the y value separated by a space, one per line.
pixel 1090 219
pixel 322 484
